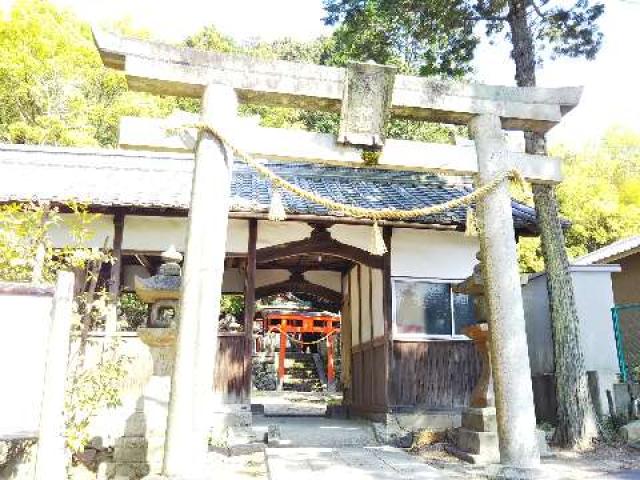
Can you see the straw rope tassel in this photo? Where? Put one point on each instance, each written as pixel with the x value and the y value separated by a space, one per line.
pixel 277 212
pixel 377 245
pixel 471 228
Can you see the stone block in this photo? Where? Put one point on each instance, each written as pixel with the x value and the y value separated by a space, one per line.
pixel 543 446
pixel 131 471
pixel 434 421
pixel 486 458
pixel 480 419
pixel 129 455
pixel 630 433
pixel 273 435
pixel 136 425
pixel 477 442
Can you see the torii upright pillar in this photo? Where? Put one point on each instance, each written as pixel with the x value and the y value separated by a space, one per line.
pixel 509 351
pixel 191 403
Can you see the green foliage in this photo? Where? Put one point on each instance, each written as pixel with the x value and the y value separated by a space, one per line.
pixel 53 88
pixel 232 304
pixel 429 38
pixel 91 390
pixel 133 312
pixel 601 192
pixel 600 196
pixel 438 37
pixel 23 227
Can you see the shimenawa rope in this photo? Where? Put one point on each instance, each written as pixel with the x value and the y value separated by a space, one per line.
pixel 277 211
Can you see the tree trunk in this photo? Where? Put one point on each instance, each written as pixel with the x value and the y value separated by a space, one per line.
pixel 576 422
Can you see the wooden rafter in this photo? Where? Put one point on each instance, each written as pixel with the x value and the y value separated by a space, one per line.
pixel 319 243
pixel 297 285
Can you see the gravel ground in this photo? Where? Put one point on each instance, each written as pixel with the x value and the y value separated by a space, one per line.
pixel 602 462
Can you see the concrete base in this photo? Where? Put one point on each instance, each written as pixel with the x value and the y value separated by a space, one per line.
pixel 477 440
pixel 508 472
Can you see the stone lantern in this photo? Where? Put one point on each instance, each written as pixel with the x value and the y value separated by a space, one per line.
pixel 141 450
pixel 478 438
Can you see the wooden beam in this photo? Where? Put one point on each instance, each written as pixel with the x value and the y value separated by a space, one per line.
pixel 167 70
pixel 301 146
pixel 115 280
pixel 387 309
pixel 301 286
pixel 319 243
pixel 250 301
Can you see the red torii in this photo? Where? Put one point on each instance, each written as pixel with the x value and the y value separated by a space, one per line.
pixel 325 323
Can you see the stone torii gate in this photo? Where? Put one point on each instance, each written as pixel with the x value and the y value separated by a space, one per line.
pixel 365 95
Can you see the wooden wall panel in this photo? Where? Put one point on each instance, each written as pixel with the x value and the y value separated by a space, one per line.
pixel 434 375
pixel 368 374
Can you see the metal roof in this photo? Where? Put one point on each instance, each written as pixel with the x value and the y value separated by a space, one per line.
pixel 615 251
pixel 119 178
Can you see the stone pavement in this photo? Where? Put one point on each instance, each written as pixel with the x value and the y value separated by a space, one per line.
pixel 318 432
pixel 353 463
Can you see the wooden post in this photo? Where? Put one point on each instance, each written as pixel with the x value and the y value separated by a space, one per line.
pixel 191 404
pixel 282 353
pixel 331 373
pixel 116 273
pixel 387 310
pixel 50 461
pixel 38 264
pixel 250 303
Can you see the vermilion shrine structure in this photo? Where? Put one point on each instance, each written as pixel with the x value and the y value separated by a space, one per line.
pixel 365 95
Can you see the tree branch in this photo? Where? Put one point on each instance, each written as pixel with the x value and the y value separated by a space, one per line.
pixel 490 18
pixel 540 13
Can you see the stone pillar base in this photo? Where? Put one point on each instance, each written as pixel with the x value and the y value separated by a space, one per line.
pixel 478 437
pixel 507 472
pixel 232 415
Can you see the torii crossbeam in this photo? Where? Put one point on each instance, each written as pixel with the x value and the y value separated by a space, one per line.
pixel 365 95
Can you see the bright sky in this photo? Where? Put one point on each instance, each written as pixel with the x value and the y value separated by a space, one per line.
pixel 611 82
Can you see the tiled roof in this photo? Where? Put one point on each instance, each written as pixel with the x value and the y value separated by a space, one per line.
pixel 116 178
pixel 612 252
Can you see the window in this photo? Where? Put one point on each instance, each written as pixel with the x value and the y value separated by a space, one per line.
pixel 430 308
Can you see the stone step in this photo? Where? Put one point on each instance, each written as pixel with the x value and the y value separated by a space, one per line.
pixel 480 419
pixel 478 443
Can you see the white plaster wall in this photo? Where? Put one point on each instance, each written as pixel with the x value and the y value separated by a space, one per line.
pixel 274 233
pixel 267 277
pixel 233 281
pixel 238 236
pixel 355 235
pixel 158 233
pixel 25 323
pixel 594 299
pixel 321 277
pixel 325 278
pixel 101 229
pixel 432 254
